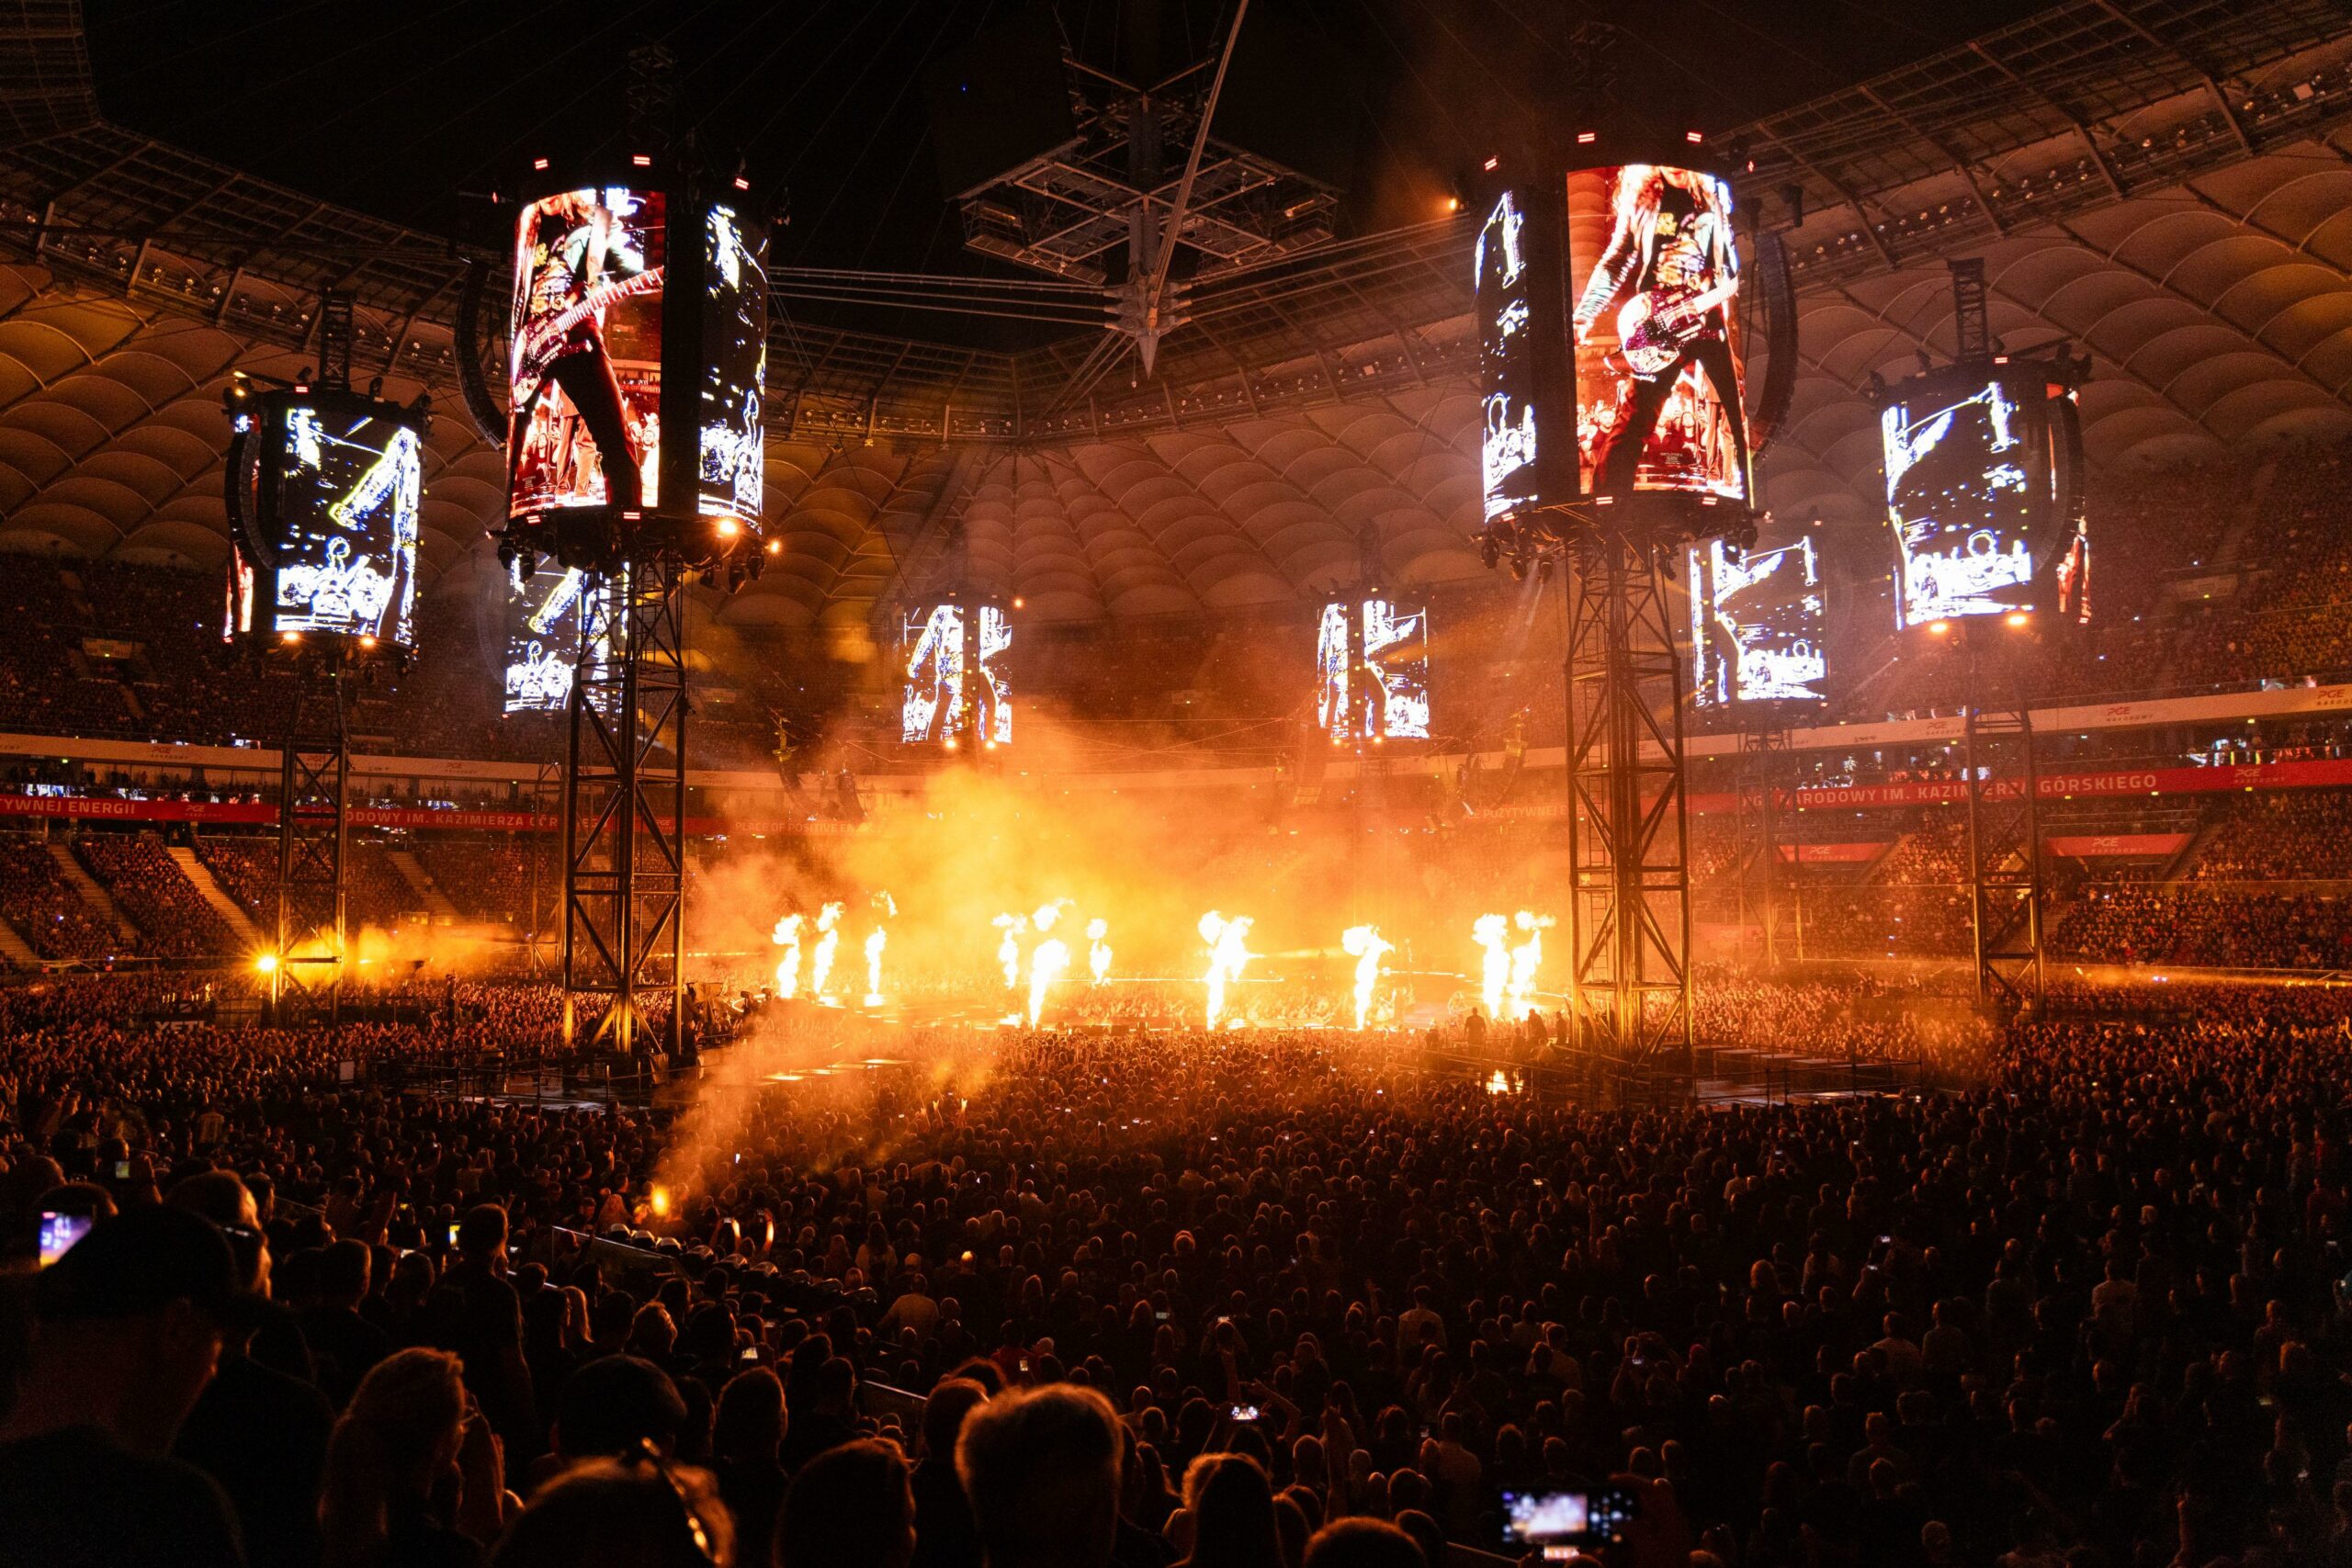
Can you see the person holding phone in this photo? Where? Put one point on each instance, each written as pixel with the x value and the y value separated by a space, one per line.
pixel 487 1334
pixel 131 1324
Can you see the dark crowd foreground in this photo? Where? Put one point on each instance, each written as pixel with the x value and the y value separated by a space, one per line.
pixel 1250 1300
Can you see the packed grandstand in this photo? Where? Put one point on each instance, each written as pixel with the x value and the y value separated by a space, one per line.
pixel 1124 1100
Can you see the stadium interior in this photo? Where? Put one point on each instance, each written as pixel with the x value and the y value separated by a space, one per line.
pixel 1002 796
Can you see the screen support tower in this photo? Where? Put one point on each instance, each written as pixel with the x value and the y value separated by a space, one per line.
pixel 623 817
pixel 1764 772
pixel 314 833
pixel 1628 821
pixel 2004 854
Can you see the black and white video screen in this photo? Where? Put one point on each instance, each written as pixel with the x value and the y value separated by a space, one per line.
pixel 1756 625
pixel 349 480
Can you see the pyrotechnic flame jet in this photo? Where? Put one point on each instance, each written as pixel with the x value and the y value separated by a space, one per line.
pixel 885 908
pixel 1363 944
pixel 1008 951
pixel 1489 930
pixel 1043 920
pixel 1523 961
pixel 876 941
pixel 820 963
pixel 1047 961
pixel 787 936
pixel 1098 950
pixel 1229 952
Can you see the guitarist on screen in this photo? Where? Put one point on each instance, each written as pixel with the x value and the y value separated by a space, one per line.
pixel 1671 259
pixel 578 264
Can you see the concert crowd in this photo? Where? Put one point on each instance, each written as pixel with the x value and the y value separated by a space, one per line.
pixel 1260 1298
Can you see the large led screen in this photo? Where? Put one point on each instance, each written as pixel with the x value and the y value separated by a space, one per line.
pixel 348 481
pixel 1385 690
pixel 585 373
pixel 1972 496
pixel 735 362
pixel 547 616
pixel 1509 360
pixel 941 646
pixel 1655 274
pixel 1756 625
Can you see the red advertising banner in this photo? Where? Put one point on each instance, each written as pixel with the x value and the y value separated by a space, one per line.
pixel 1834 855
pixel 2322 774
pixel 253 813
pixel 2059 786
pixel 2097 846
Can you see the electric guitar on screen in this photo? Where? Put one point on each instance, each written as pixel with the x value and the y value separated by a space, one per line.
pixel 543 341
pixel 1657 325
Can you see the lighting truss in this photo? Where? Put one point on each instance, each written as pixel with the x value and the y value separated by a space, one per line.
pixel 1065 211
pixel 2004 855
pixel 1628 817
pixel 313 830
pixel 625 796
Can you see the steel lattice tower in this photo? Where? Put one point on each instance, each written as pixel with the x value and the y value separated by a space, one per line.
pixel 624 810
pixel 1764 772
pixel 1628 820
pixel 2004 854
pixel 313 825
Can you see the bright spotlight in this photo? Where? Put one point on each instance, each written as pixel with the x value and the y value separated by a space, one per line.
pixel 2018 617
pixel 1938 629
pixel 267 963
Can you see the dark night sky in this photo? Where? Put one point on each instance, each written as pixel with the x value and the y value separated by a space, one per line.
pixel 395 106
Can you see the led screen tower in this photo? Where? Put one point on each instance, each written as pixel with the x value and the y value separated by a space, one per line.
pixel 1981 493
pixel 634 367
pixel 324 488
pixel 1615 309
pixel 556 622
pixel 1372 660
pixel 1757 633
pixel 1983 498
pixel 957 690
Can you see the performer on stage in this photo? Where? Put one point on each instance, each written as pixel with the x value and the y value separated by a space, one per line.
pixel 580 261
pixel 1670 258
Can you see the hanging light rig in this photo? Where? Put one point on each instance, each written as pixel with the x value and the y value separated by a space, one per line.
pixel 634 371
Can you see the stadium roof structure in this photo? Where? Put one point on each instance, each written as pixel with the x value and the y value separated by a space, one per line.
pixel 2160 183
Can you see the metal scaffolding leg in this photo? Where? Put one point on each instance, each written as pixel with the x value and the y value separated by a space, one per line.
pixel 542 901
pixel 625 792
pixel 1628 825
pixel 1764 772
pixel 2004 857
pixel 313 830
